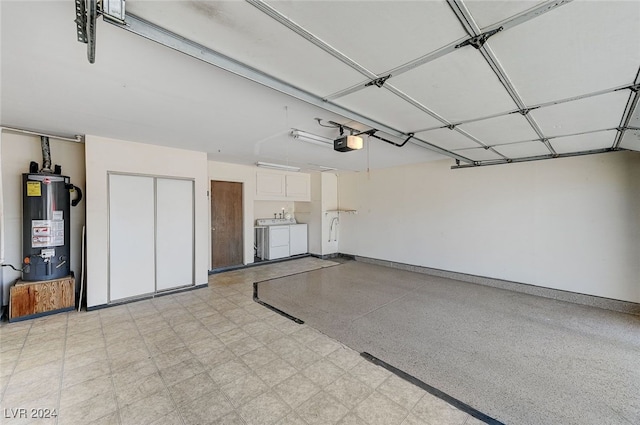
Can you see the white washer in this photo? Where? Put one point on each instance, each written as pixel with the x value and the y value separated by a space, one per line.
pixel 276 238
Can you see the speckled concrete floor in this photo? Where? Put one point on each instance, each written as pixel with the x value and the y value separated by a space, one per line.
pixel 518 358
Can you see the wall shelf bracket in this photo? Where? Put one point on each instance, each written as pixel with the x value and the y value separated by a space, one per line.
pixel 341 211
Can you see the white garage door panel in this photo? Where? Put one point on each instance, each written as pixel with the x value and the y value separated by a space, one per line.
pixel 174 233
pixel 631 138
pixel 131 236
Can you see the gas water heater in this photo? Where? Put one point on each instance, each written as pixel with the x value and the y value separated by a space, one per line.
pixel 46 221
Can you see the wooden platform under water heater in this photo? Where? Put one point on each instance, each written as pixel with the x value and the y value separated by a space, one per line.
pixel 38 298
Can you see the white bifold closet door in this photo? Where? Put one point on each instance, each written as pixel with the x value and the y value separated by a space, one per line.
pixel 174 233
pixel 151 235
pixel 131 236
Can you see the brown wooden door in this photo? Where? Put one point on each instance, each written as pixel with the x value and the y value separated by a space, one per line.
pixel 226 224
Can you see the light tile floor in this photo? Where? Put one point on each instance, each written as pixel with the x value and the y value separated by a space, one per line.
pixel 207 356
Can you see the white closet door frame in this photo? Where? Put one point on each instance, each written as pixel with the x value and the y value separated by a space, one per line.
pixel 170 229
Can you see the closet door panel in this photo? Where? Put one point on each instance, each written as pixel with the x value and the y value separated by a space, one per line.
pixel 174 233
pixel 131 236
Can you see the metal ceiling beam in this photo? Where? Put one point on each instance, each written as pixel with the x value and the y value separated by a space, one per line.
pixel 580 97
pixel 279 17
pixel 446 123
pixel 449 48
pixel 471 29
pixel 534 107
pixel 601 130
pixel 527 15
pixel 469 24
pixel 190 48
pixel 632 104
pixel 511 22
pixel 531 158
pixel 293 26
pixel 483 145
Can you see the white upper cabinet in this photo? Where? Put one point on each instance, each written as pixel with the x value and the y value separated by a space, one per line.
pixel 283 186
pixel 298 187
pixel 270 185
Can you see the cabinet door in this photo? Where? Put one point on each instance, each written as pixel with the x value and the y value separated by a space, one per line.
pixel 174 233
pixel 298 187
pixel 270 186
pixel 298 239
pixel 131 236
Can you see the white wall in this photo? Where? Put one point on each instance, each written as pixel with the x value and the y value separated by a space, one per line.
pixel 104 155
pixel 16 152
pixel 266 209
pixel 324 197
pixel 310 213
pixel 570 224
pixel 330 237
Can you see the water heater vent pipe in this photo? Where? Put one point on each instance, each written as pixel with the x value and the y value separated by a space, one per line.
pixel 46 154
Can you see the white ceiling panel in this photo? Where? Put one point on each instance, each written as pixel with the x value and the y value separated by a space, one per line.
pixel 479 154
pixel 523 150
pixel 381 154
pixel 242 32
pixel 584 142
pixel 371 32
pixel 505 129
pixel 381 105
pixel 447 139
pixel 486 13
pixel 457 86
pixel 578 48
pixel 592 113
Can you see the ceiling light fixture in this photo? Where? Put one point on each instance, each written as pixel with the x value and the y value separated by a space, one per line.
pixel 277 166
pixel 303 136
pixel 322 168
pixel 341 144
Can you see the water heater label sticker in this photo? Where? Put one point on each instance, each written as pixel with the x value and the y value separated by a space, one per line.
pixel 33 189
pixel 45 233
pixel 57 215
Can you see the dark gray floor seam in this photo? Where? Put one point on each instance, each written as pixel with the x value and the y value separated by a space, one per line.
pixel 257 299
pixel 255 264
pixel 460 405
